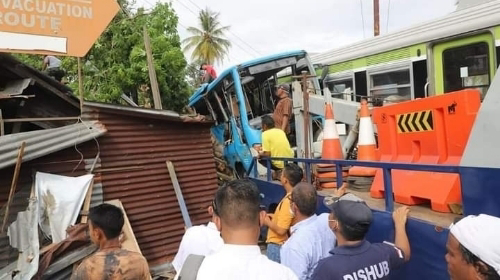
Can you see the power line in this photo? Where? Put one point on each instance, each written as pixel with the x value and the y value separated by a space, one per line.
pixel 362 18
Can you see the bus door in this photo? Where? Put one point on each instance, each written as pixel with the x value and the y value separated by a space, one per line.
pixel 465 63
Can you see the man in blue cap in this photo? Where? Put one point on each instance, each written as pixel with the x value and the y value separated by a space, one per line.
pixel 354 257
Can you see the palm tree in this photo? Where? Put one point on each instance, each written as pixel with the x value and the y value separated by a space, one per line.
pixel 208 42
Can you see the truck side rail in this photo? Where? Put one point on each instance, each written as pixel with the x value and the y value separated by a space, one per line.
pixel 387 168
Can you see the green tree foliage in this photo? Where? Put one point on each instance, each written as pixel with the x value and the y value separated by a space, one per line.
pixel 208 41
pixel 193 74
pixel 117 62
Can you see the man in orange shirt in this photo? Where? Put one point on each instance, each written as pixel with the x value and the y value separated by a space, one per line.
pixel 281 221
pixel 284 109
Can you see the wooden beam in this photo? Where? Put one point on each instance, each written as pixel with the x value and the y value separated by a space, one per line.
pixel 129 241
pixel 178 193
pixel 376 18
pixel 80 84
pixel 152 72
pixel 86 203
pixel 13 186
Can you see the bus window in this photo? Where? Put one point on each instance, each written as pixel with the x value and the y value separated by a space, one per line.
pixel 467 67
pixel 341 88
pixel 391 87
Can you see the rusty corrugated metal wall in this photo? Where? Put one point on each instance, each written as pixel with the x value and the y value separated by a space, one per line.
pixel 133 169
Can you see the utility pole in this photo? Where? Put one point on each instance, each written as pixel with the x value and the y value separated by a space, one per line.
pixel 152 72
pixel 376 17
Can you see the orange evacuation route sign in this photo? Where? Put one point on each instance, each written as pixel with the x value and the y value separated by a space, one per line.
pixel 57 27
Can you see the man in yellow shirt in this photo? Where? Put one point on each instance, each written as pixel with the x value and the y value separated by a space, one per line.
pixel 274 144
pixel 281 221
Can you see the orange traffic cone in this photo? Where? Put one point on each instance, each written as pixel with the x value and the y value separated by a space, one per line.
pixel 366 143
pixel 332 149
pixel 331 143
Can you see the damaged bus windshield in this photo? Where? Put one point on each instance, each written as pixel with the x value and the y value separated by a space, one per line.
pixel 241 95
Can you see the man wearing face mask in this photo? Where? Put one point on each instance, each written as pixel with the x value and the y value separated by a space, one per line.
pixel 238 217
pixel 354 257
pixel 110 262
pixel 308 243
pixel 281 221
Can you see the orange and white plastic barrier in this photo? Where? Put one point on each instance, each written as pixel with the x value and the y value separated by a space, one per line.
pixel 366 143
pixel 433 130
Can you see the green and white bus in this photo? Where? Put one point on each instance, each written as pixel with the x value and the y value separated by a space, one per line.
pixel 458 51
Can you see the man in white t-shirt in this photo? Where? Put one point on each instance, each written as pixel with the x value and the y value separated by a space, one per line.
pixel 201 240
pixel 53 66
pixel 238 217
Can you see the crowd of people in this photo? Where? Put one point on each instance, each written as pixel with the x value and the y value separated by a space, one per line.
pixel 300 244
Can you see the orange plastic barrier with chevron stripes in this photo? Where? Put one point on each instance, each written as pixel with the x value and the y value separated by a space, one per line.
pixel 434 130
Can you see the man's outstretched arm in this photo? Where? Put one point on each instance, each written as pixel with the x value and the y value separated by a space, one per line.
pixel 401 239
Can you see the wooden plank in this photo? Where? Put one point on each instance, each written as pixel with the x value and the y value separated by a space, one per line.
pixel 13 186
pixel 80 84
pixel 178 193
pixel 421 212
pixel 152 72
pixel 129 240
pixel 86 203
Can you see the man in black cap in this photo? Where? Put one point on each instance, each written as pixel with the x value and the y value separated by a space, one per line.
pixel 355 258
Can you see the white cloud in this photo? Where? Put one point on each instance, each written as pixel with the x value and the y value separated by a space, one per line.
pixel 271 26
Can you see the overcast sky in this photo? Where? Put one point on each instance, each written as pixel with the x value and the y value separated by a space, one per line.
pixel 263 27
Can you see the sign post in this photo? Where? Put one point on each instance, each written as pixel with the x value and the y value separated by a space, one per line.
pixel 53 27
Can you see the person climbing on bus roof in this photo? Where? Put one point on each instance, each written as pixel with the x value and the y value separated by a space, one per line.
pixel 473 248
pixel 274 144
pixel 284 109
pixel 210 74
pixel 280 222
pixel 354 257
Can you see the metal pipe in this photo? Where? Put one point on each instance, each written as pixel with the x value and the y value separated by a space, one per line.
pixel 351 138
pixel 305 96
pixel 389 201
pixel 41 119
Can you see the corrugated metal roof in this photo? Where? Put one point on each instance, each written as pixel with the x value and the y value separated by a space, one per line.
pixel 43 142
pixel 141 112
pixel 133 169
